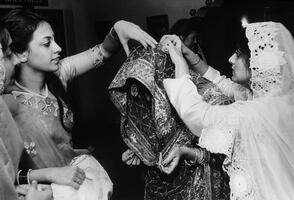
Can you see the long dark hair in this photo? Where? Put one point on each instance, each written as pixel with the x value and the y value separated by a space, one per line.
pixel 21 25
pixel 242 45
pixel 4 37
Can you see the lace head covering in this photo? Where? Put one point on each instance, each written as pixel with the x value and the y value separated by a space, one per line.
pixel 271 59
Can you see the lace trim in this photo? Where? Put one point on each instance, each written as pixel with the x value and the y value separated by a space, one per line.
pixel 97 55
pixel 266 58
pixel 218 139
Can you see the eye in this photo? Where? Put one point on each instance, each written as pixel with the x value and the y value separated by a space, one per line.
pixel 8 53
pixel 238 53
pixel 47 44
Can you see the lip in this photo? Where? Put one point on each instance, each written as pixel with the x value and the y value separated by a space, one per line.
pixel 55 59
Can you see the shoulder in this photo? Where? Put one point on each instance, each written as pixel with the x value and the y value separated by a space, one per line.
pixel 12 104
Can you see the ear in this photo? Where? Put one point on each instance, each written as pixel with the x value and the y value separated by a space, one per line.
pixel 22 57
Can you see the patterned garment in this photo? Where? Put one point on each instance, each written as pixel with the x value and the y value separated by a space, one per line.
pixel 46 142
pixel 151 127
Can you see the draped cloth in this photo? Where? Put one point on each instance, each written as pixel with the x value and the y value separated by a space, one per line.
pixel 11 146
pixel 151 128
pixel 257 136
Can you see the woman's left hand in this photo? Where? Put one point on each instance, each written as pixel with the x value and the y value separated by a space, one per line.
pixel 172 160
pixel 173 47
pixel 127 30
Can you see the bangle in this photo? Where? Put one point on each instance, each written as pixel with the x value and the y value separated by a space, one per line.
pixel 113 34
pixel 22 177
pixel 28 176
pixel 17 176
pixel 198 61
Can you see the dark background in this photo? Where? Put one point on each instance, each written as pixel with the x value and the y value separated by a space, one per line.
pixel 97 120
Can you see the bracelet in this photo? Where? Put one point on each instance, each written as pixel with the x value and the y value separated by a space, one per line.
pixel 198 61
pixel 28 176
pixel 17 176
pixel 22 177
pixel 113 34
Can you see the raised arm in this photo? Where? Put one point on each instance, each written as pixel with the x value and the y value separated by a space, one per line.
pixel 120 34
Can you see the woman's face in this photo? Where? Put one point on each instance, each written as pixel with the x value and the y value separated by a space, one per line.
pixel 43 51
pixel 241 72
pixel 8 60
pixel 190 40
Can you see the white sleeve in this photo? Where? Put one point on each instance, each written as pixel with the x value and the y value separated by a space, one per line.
pixel 227 86
pixel 199 116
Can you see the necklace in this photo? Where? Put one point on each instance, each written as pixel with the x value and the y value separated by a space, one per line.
pixel 31 92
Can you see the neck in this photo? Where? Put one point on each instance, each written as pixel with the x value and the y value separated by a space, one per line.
pixel 32 79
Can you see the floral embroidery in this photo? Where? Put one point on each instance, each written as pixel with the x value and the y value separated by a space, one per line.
pixel 30 148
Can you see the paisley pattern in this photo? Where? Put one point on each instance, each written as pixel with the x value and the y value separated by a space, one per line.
pixel 151 127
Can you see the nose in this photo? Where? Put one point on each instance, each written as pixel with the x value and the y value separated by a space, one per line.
pixel 57 49
pixel 232 59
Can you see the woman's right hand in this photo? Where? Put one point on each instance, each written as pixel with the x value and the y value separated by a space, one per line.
pixel 173 47
pixel 68 175
pixel 31 192
pixel 130 158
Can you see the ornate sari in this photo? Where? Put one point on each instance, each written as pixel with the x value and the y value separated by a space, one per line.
pixel 151 127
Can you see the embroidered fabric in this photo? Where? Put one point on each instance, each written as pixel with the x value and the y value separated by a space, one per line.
pixel 151 128
pixel 97 55
pixel 266 58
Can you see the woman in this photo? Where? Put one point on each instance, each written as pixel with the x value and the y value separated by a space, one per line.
pixel 43 115
pixel 10 140
pixel 189 30
pixel 255 135
pixel 238 86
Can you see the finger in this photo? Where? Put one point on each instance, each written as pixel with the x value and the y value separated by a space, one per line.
pixel 150 43
pixel 81 176
pixel 75 185
pixel 126 48
pixel 149 37
pixel 162 38
pixel 20 189
pixel 137 161
pixel 143 42
pixel 129 162
pixel 170 157
pixel 134 161
pixel 34 184
pixel 80 172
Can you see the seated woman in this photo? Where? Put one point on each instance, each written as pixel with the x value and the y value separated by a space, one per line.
pixel 40 106
pixel 255 135
pixel 11 145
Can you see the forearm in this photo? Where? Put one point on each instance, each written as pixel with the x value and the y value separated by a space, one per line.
pixel 111 44
pixel 41 175
pixel 196 155
pixel 194 61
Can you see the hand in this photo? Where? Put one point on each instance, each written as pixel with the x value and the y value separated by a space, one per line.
pixel 127 30
pixel 32 193
pixel 130 158
pixel 172 160
pixel 174 49
pixel 175 39
pixel 68 175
